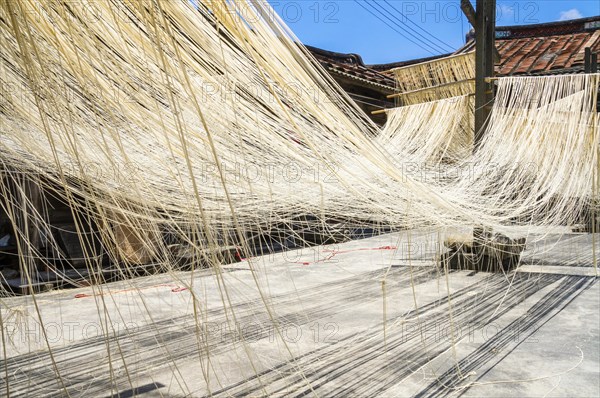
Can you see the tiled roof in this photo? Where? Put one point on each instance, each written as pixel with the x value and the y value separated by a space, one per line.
pixel 548 48
pixel 353 67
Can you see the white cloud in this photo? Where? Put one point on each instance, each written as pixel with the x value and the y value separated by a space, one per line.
pixel 573 13
pixel 504 12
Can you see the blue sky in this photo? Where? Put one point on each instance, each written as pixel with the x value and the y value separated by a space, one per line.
pixel 417 28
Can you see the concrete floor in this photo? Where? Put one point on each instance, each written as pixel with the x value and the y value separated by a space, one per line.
pixel 331 327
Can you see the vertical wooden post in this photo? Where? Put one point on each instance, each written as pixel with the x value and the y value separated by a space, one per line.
pixel 587 60
pixel 485 34
pixel 483 19
pixel 27 230
pixel 595 203
pixel 590 61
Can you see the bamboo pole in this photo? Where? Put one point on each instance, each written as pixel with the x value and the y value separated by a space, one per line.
pixel 430 88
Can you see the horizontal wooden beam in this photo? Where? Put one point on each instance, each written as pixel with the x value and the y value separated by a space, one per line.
pixel 429 88
pixel 380 111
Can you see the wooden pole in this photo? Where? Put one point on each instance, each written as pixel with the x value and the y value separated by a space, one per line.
pixel 485 31
pixel 590 61
pixel 483 20
pixel 420 90
pixel 27 230
pixel 587 60
pixel 380 111
pixel 469 11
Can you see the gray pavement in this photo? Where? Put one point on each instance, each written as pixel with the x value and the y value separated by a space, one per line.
pixel 372 317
